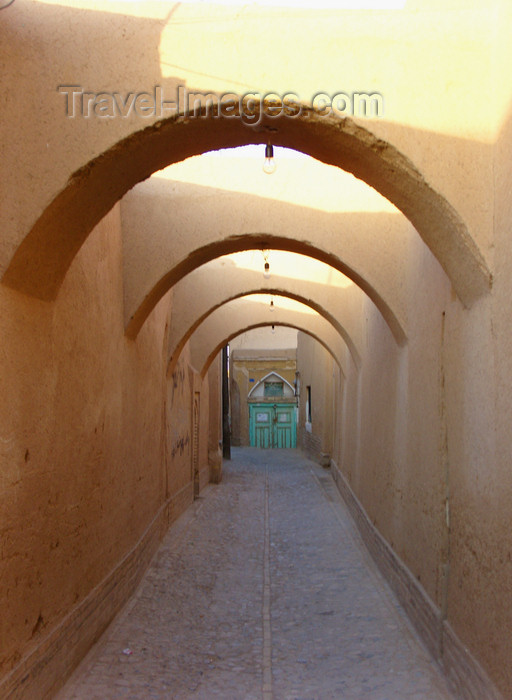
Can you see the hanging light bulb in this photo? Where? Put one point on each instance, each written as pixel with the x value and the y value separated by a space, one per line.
pixel 269 164
pixel 266 267
pixel 272 305
pixel 273 329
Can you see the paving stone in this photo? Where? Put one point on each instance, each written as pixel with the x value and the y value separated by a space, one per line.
pixel 267 593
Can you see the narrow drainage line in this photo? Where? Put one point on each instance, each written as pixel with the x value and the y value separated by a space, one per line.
pixel 267 629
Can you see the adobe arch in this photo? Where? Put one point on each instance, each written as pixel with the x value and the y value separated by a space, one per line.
pixel 42 259
pixel 191 308
pixel 165 239
pixel 245 313
pixel 250 327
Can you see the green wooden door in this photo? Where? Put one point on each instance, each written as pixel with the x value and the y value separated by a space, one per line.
pixel 272 425
pixel 261 425
pixel 285 427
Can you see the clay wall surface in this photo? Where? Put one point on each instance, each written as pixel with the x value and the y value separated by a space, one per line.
pixel 94 451
pixel 416 445
pixel 315 367
pixel 214 444
pixel 180 399
pixel 203 464
pixel 81 441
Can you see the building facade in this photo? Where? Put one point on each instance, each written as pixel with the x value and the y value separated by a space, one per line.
pixel 263 400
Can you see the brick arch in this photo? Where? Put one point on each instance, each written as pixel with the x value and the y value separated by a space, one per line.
pixel 41 261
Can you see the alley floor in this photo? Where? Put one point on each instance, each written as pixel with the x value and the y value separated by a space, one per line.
pixel 262 590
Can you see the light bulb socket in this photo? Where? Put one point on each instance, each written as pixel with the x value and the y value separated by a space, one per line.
pixel 266 271
pixel 269 164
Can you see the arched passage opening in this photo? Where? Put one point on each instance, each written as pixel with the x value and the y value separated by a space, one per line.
pixel 243 314
pixel 220 344
pixel 41 261
pixel 253 241
pixel 180 336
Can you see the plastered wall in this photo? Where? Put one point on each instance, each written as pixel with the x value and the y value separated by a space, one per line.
pixel 414 434
pixel 315 367
pixel 94 459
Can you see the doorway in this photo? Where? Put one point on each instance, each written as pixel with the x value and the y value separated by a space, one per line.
pixel 272 425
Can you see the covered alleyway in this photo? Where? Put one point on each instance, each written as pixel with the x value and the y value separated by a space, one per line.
pixel 263 589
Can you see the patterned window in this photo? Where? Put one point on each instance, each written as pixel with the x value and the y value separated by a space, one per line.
pixel 274 389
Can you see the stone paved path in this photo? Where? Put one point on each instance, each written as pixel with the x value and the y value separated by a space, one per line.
pixel 262 591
